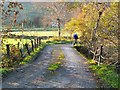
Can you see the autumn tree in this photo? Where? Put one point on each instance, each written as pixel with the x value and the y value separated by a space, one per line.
pixel 10 11
pixel 98 25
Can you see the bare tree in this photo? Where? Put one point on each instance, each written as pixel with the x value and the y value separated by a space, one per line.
pixel 56 12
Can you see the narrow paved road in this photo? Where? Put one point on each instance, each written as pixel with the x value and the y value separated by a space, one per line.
pixel 73 74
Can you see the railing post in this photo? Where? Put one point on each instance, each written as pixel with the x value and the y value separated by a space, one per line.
pixel 18 45
pixel 101 50
pixel 27 48
pixel 35 43
pixel 32 45
pixel 39 40
pixel 8 50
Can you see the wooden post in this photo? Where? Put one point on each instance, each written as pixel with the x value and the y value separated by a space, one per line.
pixel 58 27
pixel 39 40
pixel 32 45
pixel 18 45
pixel 101 50
pixel 8 50
pixel 27 48
pixel 35 43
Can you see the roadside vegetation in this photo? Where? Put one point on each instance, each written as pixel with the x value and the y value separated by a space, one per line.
pixel 107 73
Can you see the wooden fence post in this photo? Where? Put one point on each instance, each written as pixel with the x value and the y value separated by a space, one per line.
pixel 39 40
pixel 35 42
pixel 27 48
pixel 8 50
pixel 32 45
pixel 18 45
pixel 101 50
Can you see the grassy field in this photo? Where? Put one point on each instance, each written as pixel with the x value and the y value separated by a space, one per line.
pixel 14 41
pixel 41 33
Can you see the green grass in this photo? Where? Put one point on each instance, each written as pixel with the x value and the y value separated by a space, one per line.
pixel 4 70
pixel 106 72
pixel 54 66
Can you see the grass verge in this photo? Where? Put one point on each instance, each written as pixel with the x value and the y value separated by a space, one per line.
pixel 107 73
pixel 28 58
